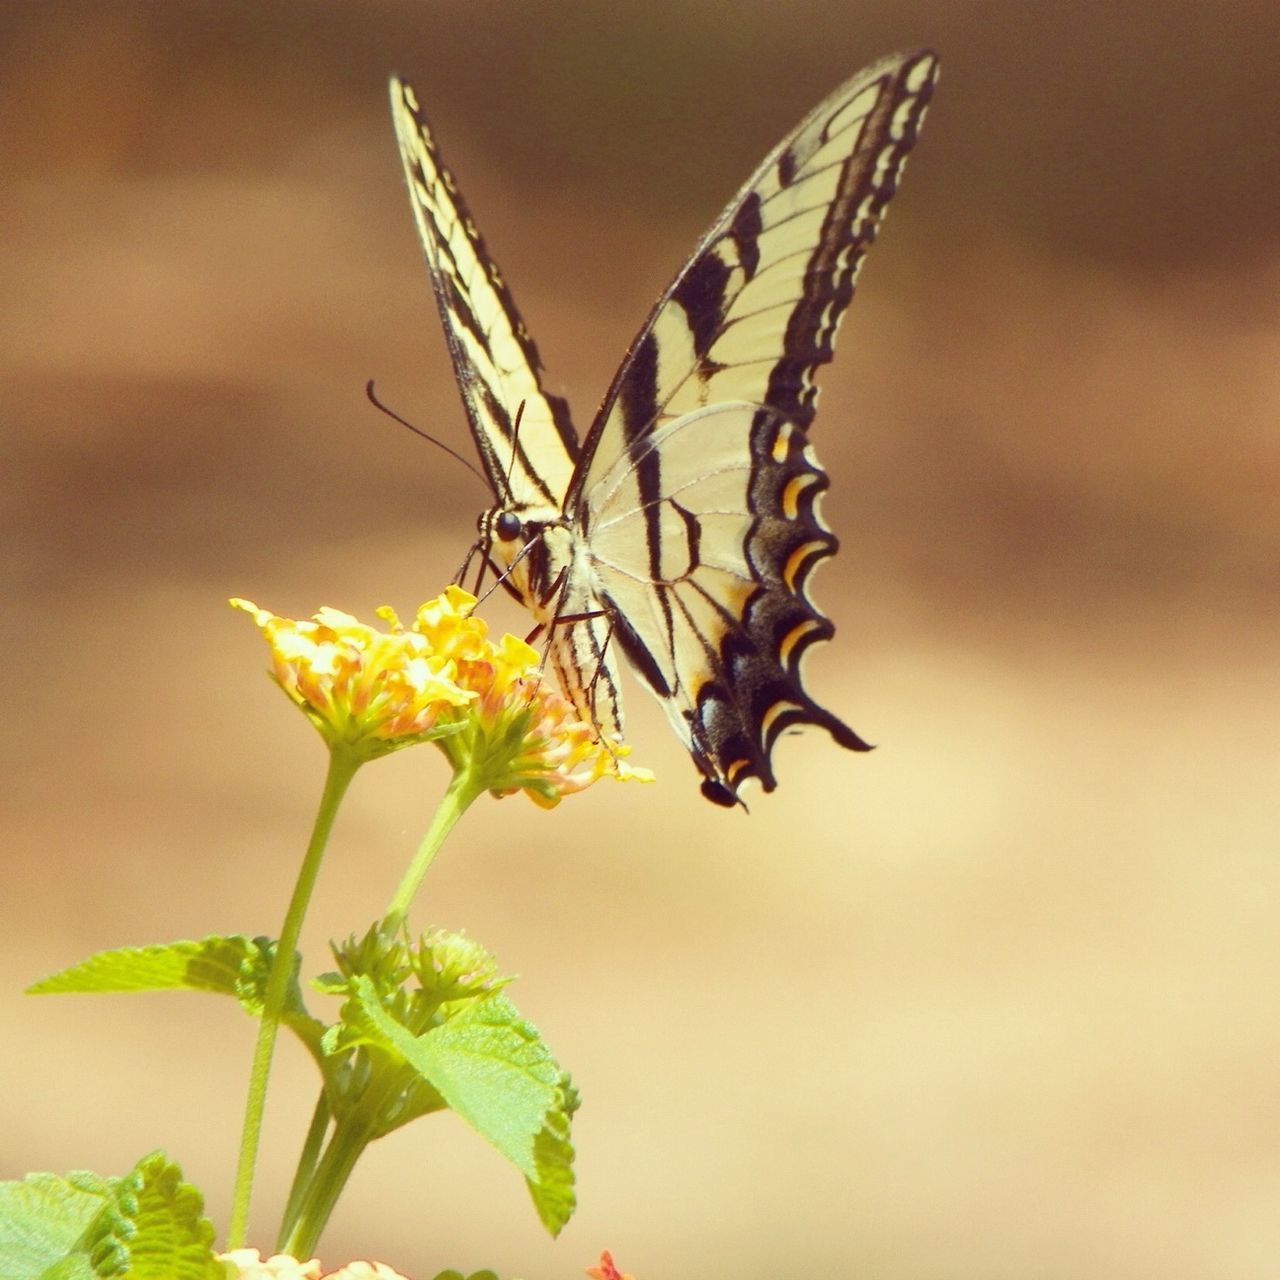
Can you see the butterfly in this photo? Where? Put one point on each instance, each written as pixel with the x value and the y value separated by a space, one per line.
pixel 682 530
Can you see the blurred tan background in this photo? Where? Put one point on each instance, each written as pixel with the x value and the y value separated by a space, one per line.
pixel 999 1000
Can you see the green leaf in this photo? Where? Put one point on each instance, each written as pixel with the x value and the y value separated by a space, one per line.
pixel 552 1190
pixel 230 966
pixel 215 964
pixel 475 1275
pixel 74 1267
pixel 146 1226
pixel 494 1070
pixel 42 1217
pixel 160 1230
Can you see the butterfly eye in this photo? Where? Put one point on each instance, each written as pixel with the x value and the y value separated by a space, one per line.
pixel 507 526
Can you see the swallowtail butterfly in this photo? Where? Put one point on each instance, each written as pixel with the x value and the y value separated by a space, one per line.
pixel 682 530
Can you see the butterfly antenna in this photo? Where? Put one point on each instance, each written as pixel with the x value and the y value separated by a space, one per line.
pixel 418 431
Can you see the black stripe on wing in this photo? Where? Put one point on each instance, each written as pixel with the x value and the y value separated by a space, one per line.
pixel 494 357
pixel 849 230
pixel 754 312
pixel 728 649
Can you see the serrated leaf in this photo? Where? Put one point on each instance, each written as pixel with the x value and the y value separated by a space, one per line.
pixel 175 1239
pixel 231 966
pixel 41 1218
pixel 553 1189
pixel 493 1069
pixel 216 964
pixel 146 1226
pixel 153 1228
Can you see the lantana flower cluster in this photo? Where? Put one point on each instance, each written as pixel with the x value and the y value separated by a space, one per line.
pixel 442 680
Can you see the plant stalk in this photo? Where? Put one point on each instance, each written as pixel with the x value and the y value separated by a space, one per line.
pixel 307 1162
pixel 342 768
pixel 462 790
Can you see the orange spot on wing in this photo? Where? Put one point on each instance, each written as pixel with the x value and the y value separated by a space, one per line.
pixel 793 638
pixel 798 559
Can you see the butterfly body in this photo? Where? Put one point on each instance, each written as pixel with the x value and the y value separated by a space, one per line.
pixel 682 531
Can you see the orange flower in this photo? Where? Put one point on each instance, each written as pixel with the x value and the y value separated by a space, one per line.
pixel 559 754
pixel 521 734
pixel 606 1270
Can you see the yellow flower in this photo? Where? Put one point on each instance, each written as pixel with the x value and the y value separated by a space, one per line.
pixel 520 734
pixel 484 704
pixel 367 691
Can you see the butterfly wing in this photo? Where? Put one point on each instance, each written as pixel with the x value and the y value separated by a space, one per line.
pixel 494 357
pixel 695 500
pixel 497 367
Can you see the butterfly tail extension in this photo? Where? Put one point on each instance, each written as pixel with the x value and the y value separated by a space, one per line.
pixel 759 691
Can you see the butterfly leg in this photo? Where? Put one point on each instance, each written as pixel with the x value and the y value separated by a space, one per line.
pixel 461 571
pixel 556 588
pixel 604 648
pixel 485 563
pixel 563 619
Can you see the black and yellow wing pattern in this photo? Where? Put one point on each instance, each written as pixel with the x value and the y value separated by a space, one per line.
pixel 495 359
pixel 685 528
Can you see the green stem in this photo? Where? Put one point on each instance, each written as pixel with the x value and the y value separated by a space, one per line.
pixel 342 768
pixel 351 1135
pixel 318 1185
pixel 307 1161
pixel 331 1176
pixel 463 789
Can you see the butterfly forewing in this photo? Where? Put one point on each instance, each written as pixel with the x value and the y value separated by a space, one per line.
pixel 754 311
pixel 494 357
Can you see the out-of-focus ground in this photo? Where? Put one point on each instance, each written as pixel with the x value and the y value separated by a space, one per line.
pixel 997 1001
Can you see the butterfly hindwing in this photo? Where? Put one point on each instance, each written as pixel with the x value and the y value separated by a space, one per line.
pixel 718 622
